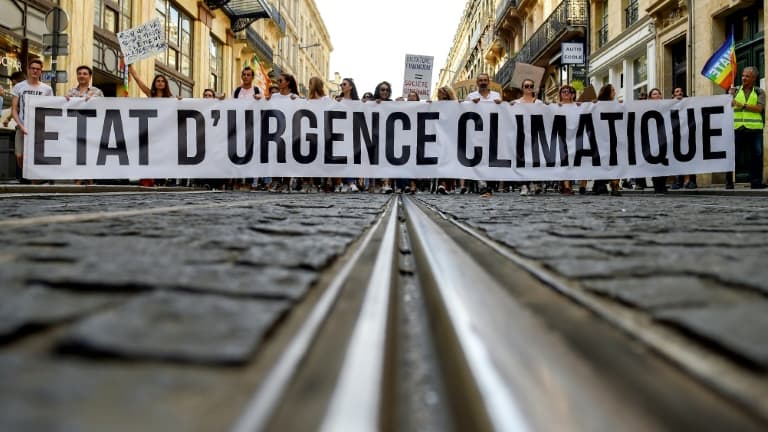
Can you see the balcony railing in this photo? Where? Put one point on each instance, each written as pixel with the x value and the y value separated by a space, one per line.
pixel 602 35
pixel 568 14
pixel 504 6
pixel 631 14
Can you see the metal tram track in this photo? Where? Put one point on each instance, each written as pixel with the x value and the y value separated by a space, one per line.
pixel 427 325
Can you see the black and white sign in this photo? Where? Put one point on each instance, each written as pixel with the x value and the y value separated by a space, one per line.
pixel 142 41
pixel 106 138
pixel 418 75
pixel 572 53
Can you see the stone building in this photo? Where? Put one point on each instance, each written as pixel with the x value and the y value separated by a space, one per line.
pixel 208 41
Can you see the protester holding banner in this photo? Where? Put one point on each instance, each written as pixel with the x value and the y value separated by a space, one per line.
pixel 567 96
pixel 287 87
pixel 247 90
pixel 21 92
pixel 688 181
pixel 748 114
pixel 446 93
pixel 383 91
pixel 659 182
pixel 529 96
pixel 83 88
pixel 348 92
pixel 159 85
pixel 484 92
pixel 159 89
pixel 607 93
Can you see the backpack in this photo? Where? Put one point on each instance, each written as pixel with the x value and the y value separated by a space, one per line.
pixel 255 91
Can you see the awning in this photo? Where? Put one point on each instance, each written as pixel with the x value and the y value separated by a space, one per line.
pixel 243 12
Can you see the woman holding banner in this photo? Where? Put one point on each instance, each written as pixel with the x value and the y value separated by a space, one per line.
pixel 348 92
pixel 660 182
pixel 529 96
pixel 567 96
pixel 607 93
pixel 159 89
pixel 383 92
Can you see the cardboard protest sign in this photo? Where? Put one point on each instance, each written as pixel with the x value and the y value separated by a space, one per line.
pixel 418 75
pixel 464 88
pixel 527 71
pixel 142 41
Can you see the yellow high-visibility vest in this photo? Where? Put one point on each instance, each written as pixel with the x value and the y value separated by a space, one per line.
pixel 747 119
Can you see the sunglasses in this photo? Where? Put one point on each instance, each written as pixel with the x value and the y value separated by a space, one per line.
pixel 383 89
pixel 566 91
pixel 528 86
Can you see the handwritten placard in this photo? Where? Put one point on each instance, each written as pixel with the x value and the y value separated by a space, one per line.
pixel 142 41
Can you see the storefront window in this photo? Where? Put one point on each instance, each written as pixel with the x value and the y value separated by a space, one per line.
pixel 9 63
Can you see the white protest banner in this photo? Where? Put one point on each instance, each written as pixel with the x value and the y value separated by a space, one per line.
pixel 142 41
pixel 105 138
pixel 418 75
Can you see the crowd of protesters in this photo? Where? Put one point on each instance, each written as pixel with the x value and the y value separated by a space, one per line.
pixel 748 102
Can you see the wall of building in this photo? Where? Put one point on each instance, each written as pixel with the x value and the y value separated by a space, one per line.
pixel 305 27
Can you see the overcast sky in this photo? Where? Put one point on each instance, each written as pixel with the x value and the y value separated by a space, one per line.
pixel 370 38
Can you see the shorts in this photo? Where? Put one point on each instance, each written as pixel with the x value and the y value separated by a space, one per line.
pixel 18 143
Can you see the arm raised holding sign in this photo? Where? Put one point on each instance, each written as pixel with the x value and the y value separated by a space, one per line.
pixel 159 84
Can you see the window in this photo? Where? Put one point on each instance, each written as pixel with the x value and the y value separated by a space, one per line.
pixel 178 33
pixel 217 65
pixel 112 15
pixel 640 76
pixel 631 13
pixel 602 32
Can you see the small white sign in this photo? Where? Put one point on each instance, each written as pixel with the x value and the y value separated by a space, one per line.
pixel 572 53
pixel 418 75
pixel 142 41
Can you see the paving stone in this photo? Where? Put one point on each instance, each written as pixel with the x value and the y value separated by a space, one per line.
pixel 179 327
pixel 39 306
pixel 312 252
pixel 662 292
pixel 63 395
pixel 739 328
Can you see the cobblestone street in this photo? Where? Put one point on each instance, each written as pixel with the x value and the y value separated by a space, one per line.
pixel 162 304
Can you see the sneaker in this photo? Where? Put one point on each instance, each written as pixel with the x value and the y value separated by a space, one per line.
pixel 441 190
pixel 675 186
pixel 729 185
pixel 488 194
pixel 537 189
pixel 463 190
pixel 690 185
pixel 386 190
pixel 523 190
pixel 758 186
pixel 353 188
pixel 582 190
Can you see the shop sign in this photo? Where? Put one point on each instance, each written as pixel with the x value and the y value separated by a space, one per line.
pixel 10 62
pixel 572 53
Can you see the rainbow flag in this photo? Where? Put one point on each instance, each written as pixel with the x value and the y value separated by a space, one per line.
pixel 721 67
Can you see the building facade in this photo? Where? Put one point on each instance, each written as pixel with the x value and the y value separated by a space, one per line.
pixel 495 36
pixel 208 41
pixel 466 57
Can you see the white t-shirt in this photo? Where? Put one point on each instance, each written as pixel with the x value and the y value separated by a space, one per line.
pixel 282 96
pixel 492 96
pixel 246 93
pixel 535 101
pixel 23 90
